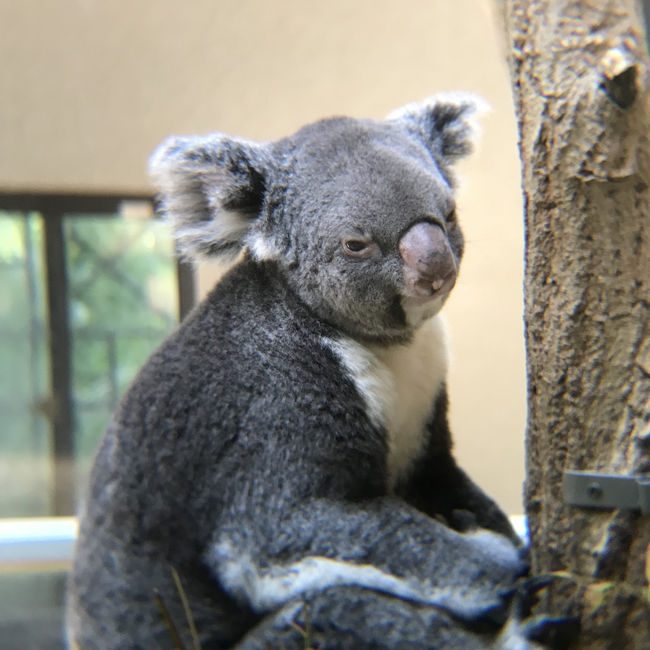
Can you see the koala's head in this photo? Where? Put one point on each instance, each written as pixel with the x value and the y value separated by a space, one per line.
pixel 358 215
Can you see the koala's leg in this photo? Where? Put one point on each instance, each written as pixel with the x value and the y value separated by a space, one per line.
pixel 349 618
pixel 448 491
pixel 383 544
pixel 438 486
pixel 484 509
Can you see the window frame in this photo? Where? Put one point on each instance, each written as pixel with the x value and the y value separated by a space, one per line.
pixel 53 208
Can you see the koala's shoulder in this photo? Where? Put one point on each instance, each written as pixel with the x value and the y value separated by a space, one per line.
pixel 250 326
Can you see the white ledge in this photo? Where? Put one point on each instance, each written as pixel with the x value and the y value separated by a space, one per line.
pixel 37 543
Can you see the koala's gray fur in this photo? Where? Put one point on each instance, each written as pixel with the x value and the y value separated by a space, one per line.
pixel 289 443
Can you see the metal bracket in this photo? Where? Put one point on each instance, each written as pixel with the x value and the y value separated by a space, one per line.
pixel 593 490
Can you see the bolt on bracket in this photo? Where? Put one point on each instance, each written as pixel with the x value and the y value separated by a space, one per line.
pixel 594 490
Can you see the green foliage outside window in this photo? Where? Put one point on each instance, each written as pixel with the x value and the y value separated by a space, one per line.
pixel 122 301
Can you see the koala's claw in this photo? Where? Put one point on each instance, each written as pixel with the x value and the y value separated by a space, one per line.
pixel 526 592
pixel 555 633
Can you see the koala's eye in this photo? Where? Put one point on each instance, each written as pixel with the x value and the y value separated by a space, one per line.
pixel 451 217
pixel 358 247
pixel 355 245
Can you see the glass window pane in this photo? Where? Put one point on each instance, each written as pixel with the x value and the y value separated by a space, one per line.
pixel 123 301
pixel 25 471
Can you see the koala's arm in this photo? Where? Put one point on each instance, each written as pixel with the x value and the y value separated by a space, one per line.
pixel 438 486
pixel 274 550
pixel 310 511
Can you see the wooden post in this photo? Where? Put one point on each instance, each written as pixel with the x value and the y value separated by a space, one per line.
pixel 580 77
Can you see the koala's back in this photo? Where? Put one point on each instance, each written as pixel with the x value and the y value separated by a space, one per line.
pixel 204 416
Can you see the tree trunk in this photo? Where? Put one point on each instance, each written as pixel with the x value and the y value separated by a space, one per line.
pixel 580 77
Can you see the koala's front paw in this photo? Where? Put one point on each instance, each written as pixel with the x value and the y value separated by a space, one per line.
pixel 487 580
pixel 499 553
pixel 554 633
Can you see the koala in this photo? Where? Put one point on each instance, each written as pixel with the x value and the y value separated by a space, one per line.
pixel 287 450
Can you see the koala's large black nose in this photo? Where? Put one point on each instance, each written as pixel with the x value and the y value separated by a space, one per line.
pixel 429 264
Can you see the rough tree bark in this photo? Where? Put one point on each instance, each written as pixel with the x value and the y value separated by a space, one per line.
pixel 580 77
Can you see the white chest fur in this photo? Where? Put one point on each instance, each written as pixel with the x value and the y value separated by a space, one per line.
pixel 399 384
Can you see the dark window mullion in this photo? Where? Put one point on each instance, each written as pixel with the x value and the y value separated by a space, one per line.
pixel 59 343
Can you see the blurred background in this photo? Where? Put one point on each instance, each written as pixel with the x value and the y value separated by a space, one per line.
pixel 90 284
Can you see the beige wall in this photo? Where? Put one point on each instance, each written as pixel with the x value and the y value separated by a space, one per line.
pixel 89 87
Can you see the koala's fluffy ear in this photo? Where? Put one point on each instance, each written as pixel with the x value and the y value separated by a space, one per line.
pixel 211 189
pixel 444 123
